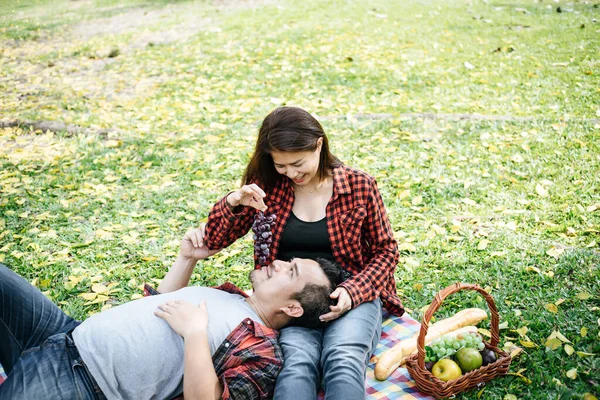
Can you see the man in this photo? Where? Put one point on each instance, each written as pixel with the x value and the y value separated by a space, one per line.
pixel 227 346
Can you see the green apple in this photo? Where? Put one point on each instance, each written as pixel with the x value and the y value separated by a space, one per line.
pixel 446 370
pixel 468 359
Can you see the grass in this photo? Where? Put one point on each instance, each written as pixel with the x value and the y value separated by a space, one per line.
pixel 512 204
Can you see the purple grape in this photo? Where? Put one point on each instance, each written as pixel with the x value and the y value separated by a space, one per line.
pixel 262 226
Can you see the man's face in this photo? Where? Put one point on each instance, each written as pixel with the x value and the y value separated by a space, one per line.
pixel 279 281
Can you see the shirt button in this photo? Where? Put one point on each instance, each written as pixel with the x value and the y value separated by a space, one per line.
pixel 248 322
pixel 226 344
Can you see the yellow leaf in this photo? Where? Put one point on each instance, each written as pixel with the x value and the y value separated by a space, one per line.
pixel 418 286
pixel 528 344
pixel 483 244
pixel 572 373
pixel 403 194
pixel 407 247
pixel 484 331
pixel 217 125
pixel 534 269
pixel 136 296
pixel 553 343
pixel 552 308
pixel 88 296
pixel 469 202
pixel 589 396
pixel 497 254
pixel 541 191
pixel 99 288
pixel 554 252
pixel 212 138
pixel 106 307
pixel 559 302
pixel 583 332
pixel 515 351
pixel 583 296
pixel 593 207
pixel 584 354
pixel 569 349
pixel 510 397
pixel 522 331
pixel 417 200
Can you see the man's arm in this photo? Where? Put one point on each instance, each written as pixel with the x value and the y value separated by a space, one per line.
pixel 191 322
pixel 192 249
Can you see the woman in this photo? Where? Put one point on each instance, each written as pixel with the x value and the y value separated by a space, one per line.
pixel 323 209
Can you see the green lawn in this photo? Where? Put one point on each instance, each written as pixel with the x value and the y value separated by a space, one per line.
pixel 510 201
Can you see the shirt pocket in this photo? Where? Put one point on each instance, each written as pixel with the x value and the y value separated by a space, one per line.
pixel 352 222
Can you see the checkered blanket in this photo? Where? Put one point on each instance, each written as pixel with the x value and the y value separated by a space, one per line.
pixel 399 386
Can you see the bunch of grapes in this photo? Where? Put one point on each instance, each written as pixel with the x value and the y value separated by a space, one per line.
pixel 447 345
pixel 263 236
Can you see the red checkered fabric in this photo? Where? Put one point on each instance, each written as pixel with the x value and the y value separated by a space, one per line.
pixel 360 233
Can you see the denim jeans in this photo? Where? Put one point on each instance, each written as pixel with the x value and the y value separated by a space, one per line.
pixel 36 349
pixel 339 353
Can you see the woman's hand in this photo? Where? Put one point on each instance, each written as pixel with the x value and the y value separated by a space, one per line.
pixel 248 195
pixel 344 304
pixel 183 317
pixel 192 244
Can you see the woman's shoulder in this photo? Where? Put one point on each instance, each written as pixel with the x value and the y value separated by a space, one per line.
pixel 355 176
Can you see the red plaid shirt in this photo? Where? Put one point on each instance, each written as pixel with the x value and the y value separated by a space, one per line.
pixel 248 361
pixel 361 237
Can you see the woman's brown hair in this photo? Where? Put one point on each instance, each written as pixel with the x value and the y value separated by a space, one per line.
pixel 287 129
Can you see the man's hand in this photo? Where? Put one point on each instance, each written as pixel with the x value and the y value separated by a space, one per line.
pixel 344 304
pixel 184 318
pixel 192 244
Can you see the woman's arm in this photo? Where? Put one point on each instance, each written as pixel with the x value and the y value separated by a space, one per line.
pixel 377 231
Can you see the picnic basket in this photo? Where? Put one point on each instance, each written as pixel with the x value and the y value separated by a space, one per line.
pixel 427 382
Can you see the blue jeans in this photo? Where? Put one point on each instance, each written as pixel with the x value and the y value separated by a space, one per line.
pixel 340 353
pixel 36 348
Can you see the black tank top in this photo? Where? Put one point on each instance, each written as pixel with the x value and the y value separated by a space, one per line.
pixel 304 240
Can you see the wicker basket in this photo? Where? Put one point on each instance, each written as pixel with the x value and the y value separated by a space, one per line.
pixel 427 382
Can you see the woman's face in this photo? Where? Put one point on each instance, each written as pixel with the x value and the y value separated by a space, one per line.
pixel 301 167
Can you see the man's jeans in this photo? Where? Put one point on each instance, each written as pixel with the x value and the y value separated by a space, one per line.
pixel 36 349
pixel 341 351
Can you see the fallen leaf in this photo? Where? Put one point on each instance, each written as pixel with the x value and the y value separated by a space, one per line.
pixel 569 349
pixel 553 343
pixel 88 296
pixel 589 396
pixel 99 288
pixel 541 191
pixel 483 244
pixel 522 331
pixel 528 344
pixel 583 332
pixel 510 397
pixel 484 331
pixel 554 252
pixel 583 296
pixel 584 354
pixel 407 247
pixel 572 373
pixel 551 308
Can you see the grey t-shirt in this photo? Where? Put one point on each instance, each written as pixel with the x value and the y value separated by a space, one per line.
pixel 134 354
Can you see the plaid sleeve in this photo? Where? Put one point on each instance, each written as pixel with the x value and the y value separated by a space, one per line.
pixel 224 226
pixel 377 231
pixel 242 382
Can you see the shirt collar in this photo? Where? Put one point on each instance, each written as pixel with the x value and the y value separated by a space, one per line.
pixel 341 182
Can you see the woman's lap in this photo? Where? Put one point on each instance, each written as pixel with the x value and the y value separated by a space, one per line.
pixel 339 353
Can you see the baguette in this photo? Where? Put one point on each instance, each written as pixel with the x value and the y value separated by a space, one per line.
pixel 397 355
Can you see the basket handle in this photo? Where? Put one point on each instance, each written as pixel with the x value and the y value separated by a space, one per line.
pixel 437 302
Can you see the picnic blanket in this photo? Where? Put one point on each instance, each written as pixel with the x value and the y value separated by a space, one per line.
pixel 399 385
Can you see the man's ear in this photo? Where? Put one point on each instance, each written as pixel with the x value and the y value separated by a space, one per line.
pixel 293 309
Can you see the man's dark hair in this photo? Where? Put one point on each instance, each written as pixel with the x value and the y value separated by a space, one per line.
pixel 315 298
